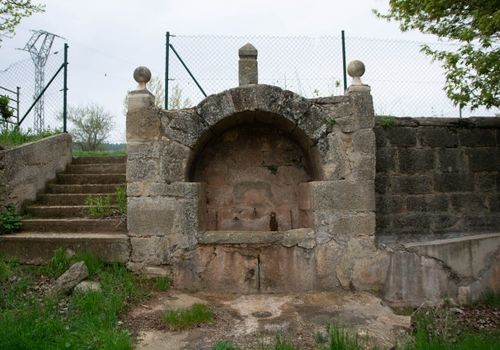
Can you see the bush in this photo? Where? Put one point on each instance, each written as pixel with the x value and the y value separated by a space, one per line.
pixel 10 221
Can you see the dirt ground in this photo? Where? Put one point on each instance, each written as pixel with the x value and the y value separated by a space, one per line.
pixel 249 321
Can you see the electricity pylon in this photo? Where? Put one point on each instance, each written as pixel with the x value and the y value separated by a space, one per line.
pixel 39 47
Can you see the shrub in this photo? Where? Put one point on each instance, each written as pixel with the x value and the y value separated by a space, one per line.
pixel 10 221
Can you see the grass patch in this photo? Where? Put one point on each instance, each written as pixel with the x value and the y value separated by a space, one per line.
pixel 121 199
pixel 117 153
pixel 489 298
pixel 15 137
pixel 387 122
pixel 99 206
pixel 91 318
pixel 184 318
pixel 162 283
pixel 10 221
pixel 224 345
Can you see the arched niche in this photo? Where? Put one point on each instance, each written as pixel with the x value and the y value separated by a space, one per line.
pixel 253 165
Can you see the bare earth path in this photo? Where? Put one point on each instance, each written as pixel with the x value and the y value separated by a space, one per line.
pixel 249 321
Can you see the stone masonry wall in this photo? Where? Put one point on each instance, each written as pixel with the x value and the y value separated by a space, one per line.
pixel 437 177
pixel 25 170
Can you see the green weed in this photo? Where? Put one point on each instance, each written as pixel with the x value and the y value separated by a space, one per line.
pixel 224 345
pixel 15 136
pixel 121 199
pixel 184 318
pixel 10 221
pixel 99 206
pixel 340 338
pixel 162 283
pixel 489 298
pixel 387 122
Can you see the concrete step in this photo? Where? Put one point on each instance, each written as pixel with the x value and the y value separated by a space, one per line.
pixel 81 225
pixel 99 160
pixel 38 248
pixel 104 168
pixel 85 179
pixel 59 211
pixel 70 198
pixel 95 188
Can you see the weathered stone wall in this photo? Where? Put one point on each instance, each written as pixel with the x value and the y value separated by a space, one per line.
pixel 437 177
pixel 165 220
pixel 26 169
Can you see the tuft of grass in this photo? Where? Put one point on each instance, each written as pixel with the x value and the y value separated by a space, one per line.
pixel 224 345
pixel 10 221
pixel 80 153
pixel 178 319
pixel 162 283
pixel 99 206
pixel 339 338
pixel 489 298
pixel 121 199
pixel 388 122
pixel 16 137
pixel 284 344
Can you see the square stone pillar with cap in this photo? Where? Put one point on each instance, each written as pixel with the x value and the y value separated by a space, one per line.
pixel 248 72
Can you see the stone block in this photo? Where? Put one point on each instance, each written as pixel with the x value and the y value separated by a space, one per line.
pixel 216 107
pixel 183 126
pixel 453 182
pixel 342 195
pixel 363 141
pixel 401 136
pixel 146 169
pixel 438 202
pixel 438 137
pixel 482 222
pixel 411 223
pixel 468 202
pixel 451 161
pixel 173 162
pixel 362 106
pixel 380 137
pixel 389 204
pixel 417 203
pixel 143 122
pixel 335 155
pixel 485 182
pixel 382 182
pixel 144 150
pixel 446 222
pixel 494 202
pixel 476 137
pixel 386 159
pixel 327 258
pixel 415 161
pixel 363 168
pixel 412 184
pixel 483 159
pixel 330 224
pixel 370 272
pixel 148 216
pixel 149 250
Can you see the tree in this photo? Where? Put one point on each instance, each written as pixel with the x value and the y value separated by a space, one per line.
pixel 473 70
pixel 91 126
pixel 12 12
pixel 177 101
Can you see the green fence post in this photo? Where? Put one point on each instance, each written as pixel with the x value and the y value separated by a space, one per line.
pixel 167 49
pixel 344 64
pixel 65 89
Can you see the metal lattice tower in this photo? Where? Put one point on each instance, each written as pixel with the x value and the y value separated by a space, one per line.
pixel 39 46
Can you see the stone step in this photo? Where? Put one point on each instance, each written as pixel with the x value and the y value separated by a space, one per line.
pixel 81 225
pixel 99 160
pixel 70 198
pixel 85 179
pixel 104 168
pixel 59 211
pixel 95 188
pixel 38 248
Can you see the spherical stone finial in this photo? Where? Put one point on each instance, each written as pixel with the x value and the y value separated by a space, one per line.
pixel 142 76
pixel 356 69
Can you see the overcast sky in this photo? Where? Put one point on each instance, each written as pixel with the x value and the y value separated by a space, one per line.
pixel 108 39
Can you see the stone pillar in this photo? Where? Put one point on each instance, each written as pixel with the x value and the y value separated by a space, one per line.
pixel 248 72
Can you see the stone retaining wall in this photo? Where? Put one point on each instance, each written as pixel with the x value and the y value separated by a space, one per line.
pixel 437 177
pixel 25 170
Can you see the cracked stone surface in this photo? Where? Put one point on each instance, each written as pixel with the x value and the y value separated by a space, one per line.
pixel 236 318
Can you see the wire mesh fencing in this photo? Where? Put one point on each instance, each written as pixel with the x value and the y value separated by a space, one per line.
pixel 49 107
pixel 404 81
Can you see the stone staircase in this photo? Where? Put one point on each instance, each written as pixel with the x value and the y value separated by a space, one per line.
pixel 59 217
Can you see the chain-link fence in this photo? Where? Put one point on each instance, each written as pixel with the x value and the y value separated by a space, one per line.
pixel 46 114
pixel 404 81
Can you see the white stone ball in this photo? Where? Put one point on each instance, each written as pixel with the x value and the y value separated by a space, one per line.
pixel 356 69
pixel 142 74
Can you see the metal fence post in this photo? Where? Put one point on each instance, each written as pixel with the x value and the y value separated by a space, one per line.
pixel 65 89
pixel 167 49
pixel 344 64
pixel 18 94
